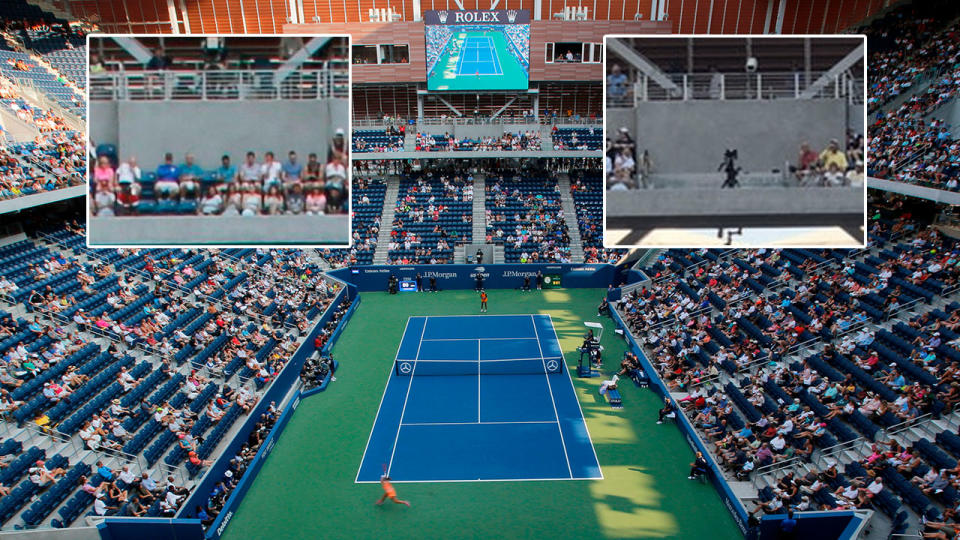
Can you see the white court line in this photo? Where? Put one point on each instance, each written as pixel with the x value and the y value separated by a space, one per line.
pixel 384 395
pixel 405 398
pixel 479 373
pixel 482 316
pixel 570 378
pixel 552 399
pixel 480 423
pixel 479 339
pixel 472 361
pixel 495 59
pixel 485 480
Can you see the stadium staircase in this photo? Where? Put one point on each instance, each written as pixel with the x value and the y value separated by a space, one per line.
pixel 570 214
pixel 16 129
pixel 389 209
pixel 479 217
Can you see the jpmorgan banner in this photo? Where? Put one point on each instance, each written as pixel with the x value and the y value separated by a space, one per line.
pixel 477 16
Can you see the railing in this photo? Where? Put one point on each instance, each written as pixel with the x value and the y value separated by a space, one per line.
pixel 907 424
pixel 775 467
pixel 740 86
pixel 219 85
pixel 470 120
pixel 854 445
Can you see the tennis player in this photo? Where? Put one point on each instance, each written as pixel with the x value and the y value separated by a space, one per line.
pixel 483 301
pixel 389 492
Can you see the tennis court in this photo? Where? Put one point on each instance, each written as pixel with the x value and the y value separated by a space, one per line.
pixel 478 56
pixel 479 398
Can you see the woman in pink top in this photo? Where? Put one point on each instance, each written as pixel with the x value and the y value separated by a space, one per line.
pixel 104 175
pixel 316 201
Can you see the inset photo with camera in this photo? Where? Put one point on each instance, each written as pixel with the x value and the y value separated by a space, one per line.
pixel 749 141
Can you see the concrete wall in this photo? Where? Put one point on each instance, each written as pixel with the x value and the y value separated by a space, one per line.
pixel 949 112
pixel 742 202
pixel 618 118
pixel 148 129
pixel 103 122
pixel 478 130
pixel 211 231
pixel 44 197
pixel 855 116
pixel 690 136
pixel 913 190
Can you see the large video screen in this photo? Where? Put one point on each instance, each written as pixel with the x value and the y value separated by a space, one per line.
pixel 478 50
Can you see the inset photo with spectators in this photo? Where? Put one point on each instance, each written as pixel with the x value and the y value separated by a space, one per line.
pixel 219 141
pixel 735 141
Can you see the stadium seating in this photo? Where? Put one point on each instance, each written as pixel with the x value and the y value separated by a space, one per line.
pixel 372 140
pixel 577 138
pixel 367 206
pixel 525 215
pixel 433 215
pixel 112 287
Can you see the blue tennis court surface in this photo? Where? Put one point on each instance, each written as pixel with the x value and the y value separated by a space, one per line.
pixel 479 398
pixel 478 56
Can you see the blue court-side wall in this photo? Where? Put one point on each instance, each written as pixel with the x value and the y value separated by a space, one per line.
pixel 150 529
pixel 464 276
pixel 223 519
pixel 285 380
pixel 825 525
pixel 731 501
pixel 839 525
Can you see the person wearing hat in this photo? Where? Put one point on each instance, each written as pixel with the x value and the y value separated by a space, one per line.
pixel 41 476
pixel 117 410
pixel 100 506
pixel 833 155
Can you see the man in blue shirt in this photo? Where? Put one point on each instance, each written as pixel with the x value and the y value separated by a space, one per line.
pixel 788 526
pixel 168 176
pixel 227 173
pixel 291 170
pixel 616 83
pixel 190 175
pixel 104 471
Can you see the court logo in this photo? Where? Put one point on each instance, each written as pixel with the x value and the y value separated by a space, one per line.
pixel 443 17
pixel 552 365
pixel 223 525
pixel 405 367
pixel 512 15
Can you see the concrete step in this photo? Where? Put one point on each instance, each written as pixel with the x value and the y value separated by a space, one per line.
pixel 778 202
pixel 715 180
pixel 570 216
pixel 17 130
pixel 386 220
pixel 743 490
pixel 498 254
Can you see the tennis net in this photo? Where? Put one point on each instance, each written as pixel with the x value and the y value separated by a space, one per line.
pixel 522 366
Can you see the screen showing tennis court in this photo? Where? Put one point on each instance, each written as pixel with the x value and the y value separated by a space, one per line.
pixel 478 50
